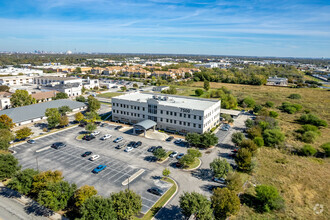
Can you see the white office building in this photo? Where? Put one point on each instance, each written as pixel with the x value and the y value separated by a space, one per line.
pixel 171 113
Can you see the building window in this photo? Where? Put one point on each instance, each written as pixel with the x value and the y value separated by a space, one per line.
pixel 167 120
pixel 180 114
pixel 174 113
pixel 184 115
pixel 161 111
pixel 184 123
pixel 180 122
pixel 166 112
pixel 161 119
pixel 200 117
pixel 194 116
pixel 171 113
pixel 174 121
pixel 188 116
pixel 194 125
pixel 199 126
pixel 143 108
pixel 188 123
pixel 171 121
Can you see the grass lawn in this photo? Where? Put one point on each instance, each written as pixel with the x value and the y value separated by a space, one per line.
pixel 105 103
pixel 80 136
pixel 108 94
pixel 159 204
pixel 194 164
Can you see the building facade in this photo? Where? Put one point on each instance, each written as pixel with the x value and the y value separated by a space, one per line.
pixel 171 113
pixel 16 80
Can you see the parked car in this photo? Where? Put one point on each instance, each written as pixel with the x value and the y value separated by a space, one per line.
pixel 174 154
pixel 219 180
pixel 179 156
pixel 58 145
pixel 131 144
pixel 137 144
pixel 119 146
pixel 95 133
pixel 156 191
pixel 178 141
pixel 87 153
pixel 128 149
pixel 94 157
pixel 151 149
pixel 178 165
pixel 107 136
pixel 158 147
pixel 31 141
pixel 170 138
pixel 99 168
pixel 118 139
pixel 103 125
pixel 89 137
pixel 118 127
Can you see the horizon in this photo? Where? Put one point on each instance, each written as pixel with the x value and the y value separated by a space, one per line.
pixel 282 29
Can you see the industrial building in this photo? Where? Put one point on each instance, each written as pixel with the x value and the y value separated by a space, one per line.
pixel 170 112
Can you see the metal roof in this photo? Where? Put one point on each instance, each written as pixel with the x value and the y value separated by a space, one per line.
pixel 29 112
pixel 146 124
pixel 229 112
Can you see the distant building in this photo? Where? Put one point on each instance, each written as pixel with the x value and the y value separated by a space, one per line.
pixel 45 80
pixel 90 83
pixel 44 96
pixel 275 81
pixel 36 112
pixel 5 100
pixel 19 71
pixel 16 80
pixel 159 88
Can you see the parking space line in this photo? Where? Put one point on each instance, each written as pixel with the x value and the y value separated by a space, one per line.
pixel 149 199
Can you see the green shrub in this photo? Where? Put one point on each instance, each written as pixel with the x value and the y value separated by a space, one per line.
pixel 308 150
pixel 259 141
pixel 326 148
pixel 268 198
pixel 257 108
pixel 309 137
pixel 199 92
pixel 273 114
pixel 269 104
pixel 249 102
pixel 273 137
pixel 313 120
pixel 294 96
pixel 290 108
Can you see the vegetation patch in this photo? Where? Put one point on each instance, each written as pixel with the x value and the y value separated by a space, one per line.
pixel 109 95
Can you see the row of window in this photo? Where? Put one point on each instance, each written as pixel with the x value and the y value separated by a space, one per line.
pixel 188 124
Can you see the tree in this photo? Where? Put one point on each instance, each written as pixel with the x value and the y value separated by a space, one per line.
pixel 123 88
pixel 220 167
pixel 83 193
pixel 237 137
pixel 5 137
pixel 243 159
pixel 249 144
pixel 92 116
pixel 249 102
pixel 61 95
pixel 308 150
pixel 21 98
pixel 193 139
pixel 83 90
pixel 196 204
pixel 171 90
pixel 93 104
pixel 208 139
pixel 126 204
pixel 6 122
pixel 79 117
pixel 259 141
pixel 224 203
pixel 227 118
pixel 273 137
pixel 187 160
pixel 90 127
pixel 64 109
pixel 326 148
pixel 166 172
pixel 41 180
pixel 23 133
pixel 4 88
pixel 206 85
pixel 56 195
pixel 22 181
pixel 77 70
pixel 80 98
pixel 159 153
pixel 53 117
pixel 199 92
pixel 8 166
pixel 249 123
pixel 97 207
pixel 234 182
pixel 194 152
pixel 135 85
pixel 268 198
pixel 64 120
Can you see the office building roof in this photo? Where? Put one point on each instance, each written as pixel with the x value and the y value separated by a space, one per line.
pixel 169 100
pixel 29 112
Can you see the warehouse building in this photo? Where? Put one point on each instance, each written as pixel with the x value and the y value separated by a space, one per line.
pixel 169 112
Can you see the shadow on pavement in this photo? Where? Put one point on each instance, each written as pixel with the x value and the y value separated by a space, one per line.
pixel 172 212
pixel 203 174
pixel 38 210
pixel 150 159
pixel 9 193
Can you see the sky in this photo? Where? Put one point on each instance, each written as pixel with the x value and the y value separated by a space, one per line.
pixel 282 28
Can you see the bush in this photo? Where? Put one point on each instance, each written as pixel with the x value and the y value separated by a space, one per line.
pixel 259 141
pixel 254 131
pixel 313 120
pixel 268 198
pixel 290 108
pixel 294 96
pixel 234 182
pixel 8 166
pixel 237 137
pixel 196 204
pixel 273 114
pixel 257 108
pixel 249 102
pixel 220 167
pixel 225 203
pixel 159 153
pixel 199 92
pixel 249 144
pixel 309 137
pixel 22 181
pixel 269 104
pixel 326 148
pixel 243 159
pixel 273 137
pixel 308 150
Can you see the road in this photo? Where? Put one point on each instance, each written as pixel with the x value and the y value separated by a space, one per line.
pixel 200 179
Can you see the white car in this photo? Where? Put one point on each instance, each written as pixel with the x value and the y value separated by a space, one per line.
pixel 94 157
pixel 95 133
pixel 107 136
pixel 174 154
pixel 118 139
pixel 178 141
pixel 128 149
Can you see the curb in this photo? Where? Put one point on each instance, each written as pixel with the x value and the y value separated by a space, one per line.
pixel 200 164
pixel 133 177
pixel 177 188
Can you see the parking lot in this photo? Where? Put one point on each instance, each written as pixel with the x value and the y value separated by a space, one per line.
pixel 120 164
